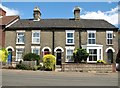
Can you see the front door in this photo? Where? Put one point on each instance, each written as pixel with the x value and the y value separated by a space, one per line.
pixel 9 56
pixel 58 59
pixel 110 56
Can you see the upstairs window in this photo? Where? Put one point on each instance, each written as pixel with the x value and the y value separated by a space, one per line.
pixel 91 37
pixel 20 37
pixel 70 37
pixel 109 37
pixel 35 37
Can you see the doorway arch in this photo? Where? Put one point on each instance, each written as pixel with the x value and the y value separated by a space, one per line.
pixel 10 50
pixel 110 51
pixel 46 50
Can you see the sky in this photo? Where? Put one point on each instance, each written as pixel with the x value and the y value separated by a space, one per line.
pixel 89 10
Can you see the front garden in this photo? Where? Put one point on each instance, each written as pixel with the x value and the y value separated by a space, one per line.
pixel 32 61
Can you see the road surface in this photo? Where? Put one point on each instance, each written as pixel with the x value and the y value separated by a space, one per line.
pixel 42 78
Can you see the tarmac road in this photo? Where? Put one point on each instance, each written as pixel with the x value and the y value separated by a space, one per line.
pixel 42 78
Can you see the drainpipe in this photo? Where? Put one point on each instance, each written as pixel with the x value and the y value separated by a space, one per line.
pixel 53 42
pixel 79 38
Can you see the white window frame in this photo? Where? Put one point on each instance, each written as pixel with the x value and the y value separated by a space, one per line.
pixel 107 32
pixel 19 47
pixel 35 47
pixel 20 31
pixel 70 31
pixel 69 48
pixel 34 31
pixel 91 31
pixel 99 54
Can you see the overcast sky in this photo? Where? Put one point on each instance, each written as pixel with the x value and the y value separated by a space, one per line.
pixel 89 10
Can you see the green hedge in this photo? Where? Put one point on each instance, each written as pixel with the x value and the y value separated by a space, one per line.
pixel 80 54
pixel 32 57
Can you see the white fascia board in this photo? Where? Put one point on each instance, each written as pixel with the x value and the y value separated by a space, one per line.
pixel 12 23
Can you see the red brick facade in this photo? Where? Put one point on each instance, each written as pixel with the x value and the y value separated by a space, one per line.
pixel 4 21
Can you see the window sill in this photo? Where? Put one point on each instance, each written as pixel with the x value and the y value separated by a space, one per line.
pixel 35 43
pixel 20 43
pixel 70 44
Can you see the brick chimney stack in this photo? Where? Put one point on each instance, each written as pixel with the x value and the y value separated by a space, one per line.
pixel 77 13
pixel 36 14
pixel 2 12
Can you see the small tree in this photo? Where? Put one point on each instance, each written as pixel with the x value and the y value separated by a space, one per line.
pixel 80 54
pixel 31 57
pixel 49 62
pixel 3 55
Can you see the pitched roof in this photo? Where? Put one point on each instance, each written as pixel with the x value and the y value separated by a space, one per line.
pixel 62 23
pixel 5 20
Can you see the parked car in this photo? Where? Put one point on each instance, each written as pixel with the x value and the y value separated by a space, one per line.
pixel 118 61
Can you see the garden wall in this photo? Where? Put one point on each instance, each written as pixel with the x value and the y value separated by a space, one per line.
pixel 82 67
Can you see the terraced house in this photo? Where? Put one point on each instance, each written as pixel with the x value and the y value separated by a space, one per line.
pixel 61 37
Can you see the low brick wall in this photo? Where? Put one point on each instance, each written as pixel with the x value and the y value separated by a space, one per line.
pixel 82 67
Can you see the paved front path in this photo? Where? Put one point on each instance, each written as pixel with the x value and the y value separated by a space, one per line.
pixel 41 78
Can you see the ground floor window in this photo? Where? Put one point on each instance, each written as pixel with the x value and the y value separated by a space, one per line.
pixel 36 50
pixel 92 54
pixel 69 54
pixel 95 52
pixel 19 54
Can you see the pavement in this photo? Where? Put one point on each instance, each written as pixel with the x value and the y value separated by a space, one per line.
pixel 51 78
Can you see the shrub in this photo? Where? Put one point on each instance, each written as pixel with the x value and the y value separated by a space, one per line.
pixel 101 61
pixel 3 55
pixel 23 67
pixel 80 54
pixel 49 62
pixel 40 67
pixel 31 57
pixel 35 68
